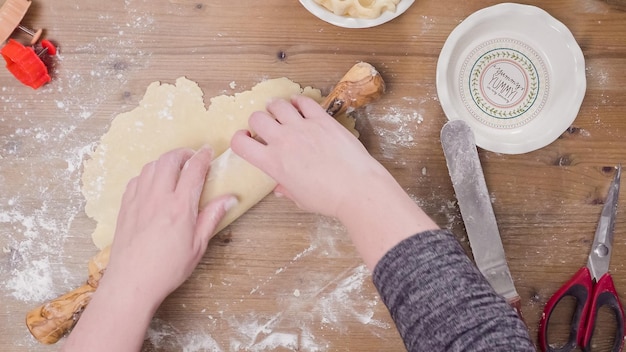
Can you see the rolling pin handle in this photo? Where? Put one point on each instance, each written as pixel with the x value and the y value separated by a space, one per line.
pixel 334 107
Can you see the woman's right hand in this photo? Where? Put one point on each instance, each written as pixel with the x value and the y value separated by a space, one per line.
pixel 316 161
pixel 322 167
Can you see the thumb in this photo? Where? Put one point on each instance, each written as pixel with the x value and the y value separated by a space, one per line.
pixel 210 217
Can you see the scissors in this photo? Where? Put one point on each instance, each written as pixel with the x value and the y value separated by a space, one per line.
pixel 592 286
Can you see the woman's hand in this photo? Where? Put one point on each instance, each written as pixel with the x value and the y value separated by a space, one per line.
pixel 323 168
pixel 317 162
pixel 160 237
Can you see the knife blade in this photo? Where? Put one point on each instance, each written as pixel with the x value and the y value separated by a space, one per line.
pixel 468 180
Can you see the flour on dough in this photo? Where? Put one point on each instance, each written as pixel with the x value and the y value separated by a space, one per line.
pixel 168 117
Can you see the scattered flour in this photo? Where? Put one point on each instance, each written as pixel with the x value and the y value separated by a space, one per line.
pixel 41 159
pixel 427 23
pixel 34 237
pixel 347 298
pixel 33 243
pixel 399 126
pixel 326 301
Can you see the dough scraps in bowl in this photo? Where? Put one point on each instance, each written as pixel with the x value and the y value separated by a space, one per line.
pixel 359 8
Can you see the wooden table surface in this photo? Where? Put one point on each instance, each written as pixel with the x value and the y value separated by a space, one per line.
pixel 279 278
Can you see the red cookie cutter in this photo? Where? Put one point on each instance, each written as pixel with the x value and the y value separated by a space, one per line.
pixel 25 64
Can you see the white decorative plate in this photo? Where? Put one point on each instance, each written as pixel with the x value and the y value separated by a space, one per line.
pixel 515 74
pixel 350 22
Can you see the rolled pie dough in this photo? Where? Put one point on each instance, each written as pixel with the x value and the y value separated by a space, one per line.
pixel 174 116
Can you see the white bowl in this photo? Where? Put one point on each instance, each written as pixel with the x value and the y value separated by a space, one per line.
pixel 515 74
pixel 350 22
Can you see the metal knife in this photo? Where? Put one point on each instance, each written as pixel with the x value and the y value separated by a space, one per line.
pixel 467 176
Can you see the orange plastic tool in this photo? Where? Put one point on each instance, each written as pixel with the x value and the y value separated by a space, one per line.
pixel 25 64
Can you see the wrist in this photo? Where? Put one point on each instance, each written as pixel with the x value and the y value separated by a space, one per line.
pixel 375 186
pixel 129 297
pixel 116 319
pixel 381 215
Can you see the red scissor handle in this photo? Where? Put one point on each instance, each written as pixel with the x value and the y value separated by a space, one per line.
pixel 589 299
pixel 604 294
pixel 579 287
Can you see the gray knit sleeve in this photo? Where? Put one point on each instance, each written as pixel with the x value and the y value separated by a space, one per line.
pixel 439 300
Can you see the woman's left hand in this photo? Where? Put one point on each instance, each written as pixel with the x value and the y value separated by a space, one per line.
pixel 161 234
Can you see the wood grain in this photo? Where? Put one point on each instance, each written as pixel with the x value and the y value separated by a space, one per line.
pixel 277 265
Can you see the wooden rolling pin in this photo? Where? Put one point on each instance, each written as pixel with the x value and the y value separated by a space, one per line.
pixel 49 322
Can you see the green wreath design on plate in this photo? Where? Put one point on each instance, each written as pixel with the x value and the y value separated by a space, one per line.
pixel 524 62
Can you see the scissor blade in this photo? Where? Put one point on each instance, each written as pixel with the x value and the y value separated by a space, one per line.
pixel 600 255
